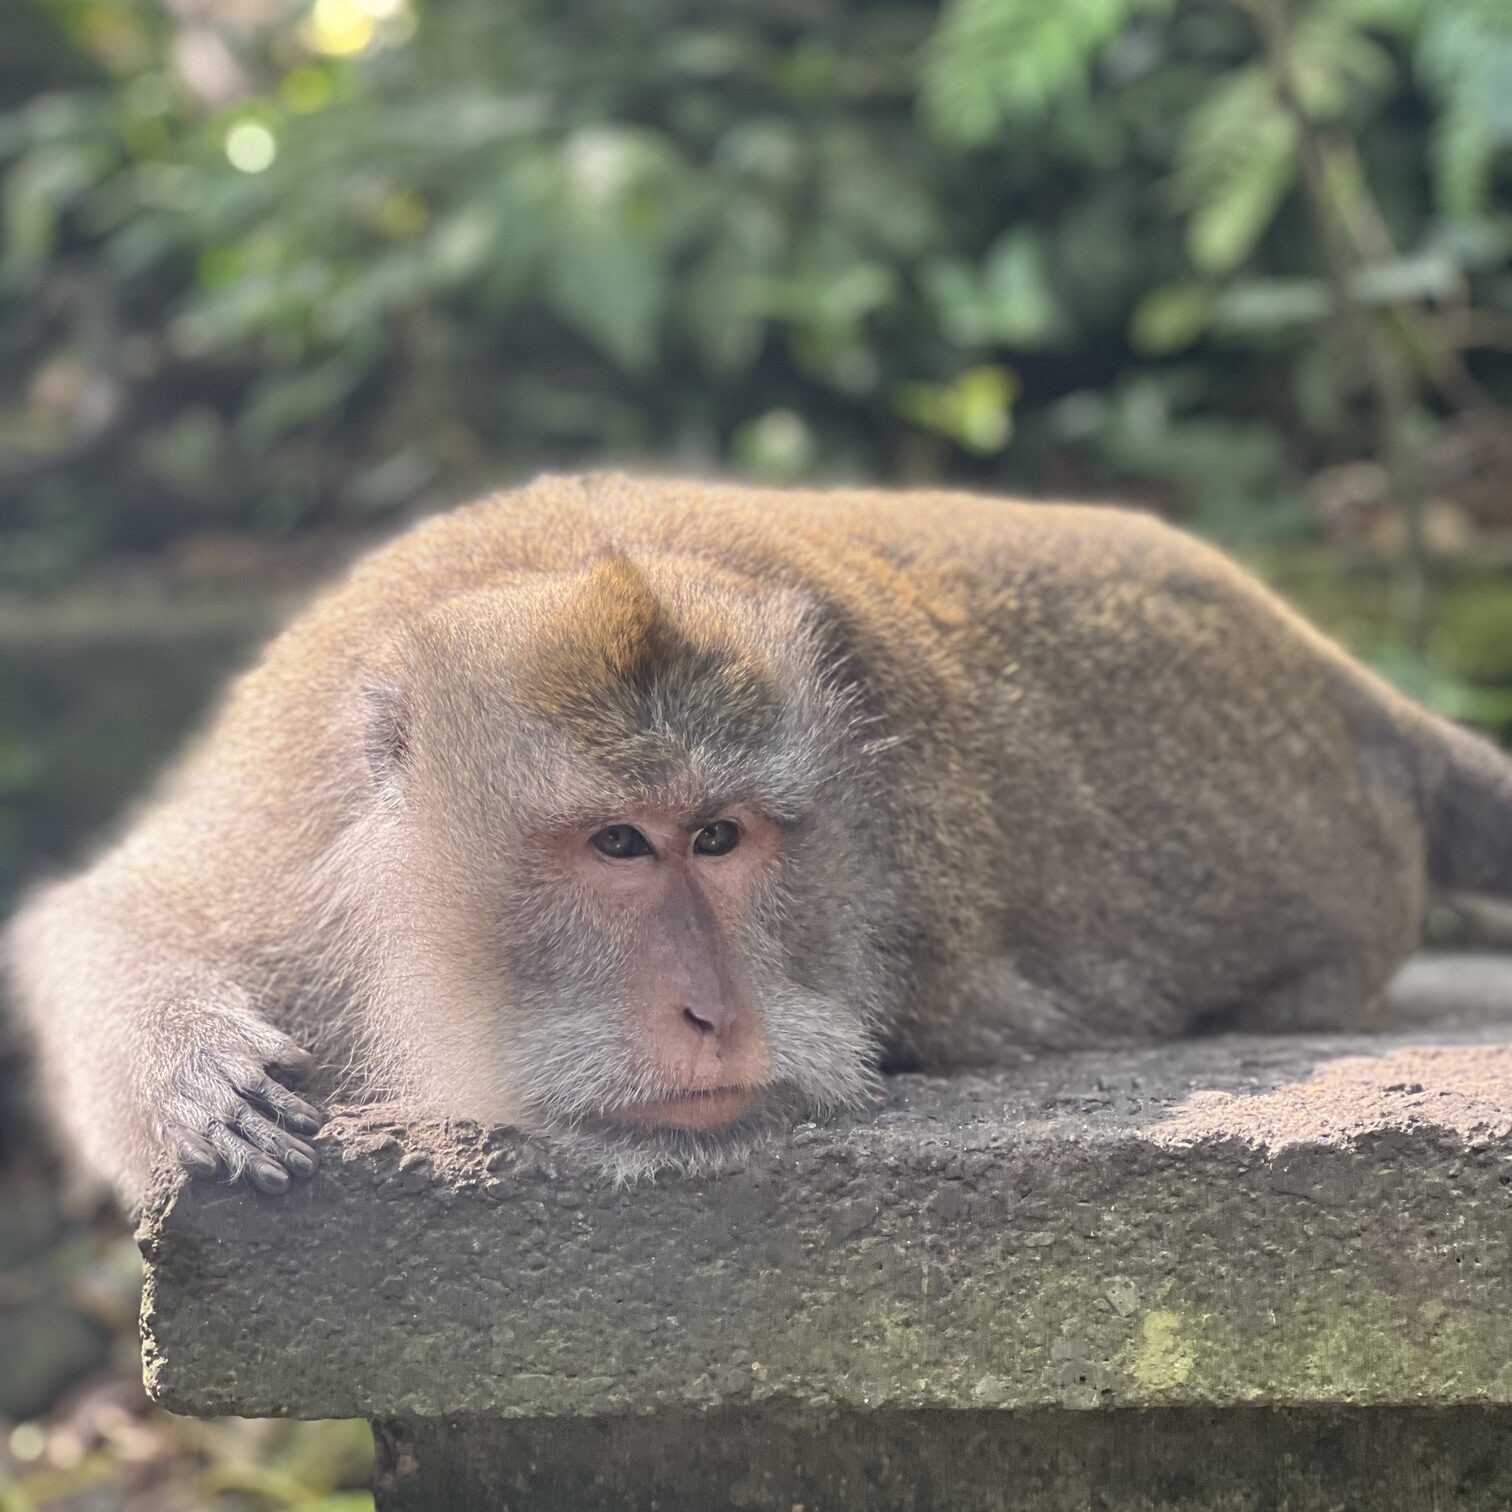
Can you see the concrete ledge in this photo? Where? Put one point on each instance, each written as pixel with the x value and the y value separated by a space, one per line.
pixel 1239 1220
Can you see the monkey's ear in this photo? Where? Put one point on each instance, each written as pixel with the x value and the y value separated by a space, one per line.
pixel 385 734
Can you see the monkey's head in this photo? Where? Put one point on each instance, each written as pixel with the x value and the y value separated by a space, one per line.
pixel 631 869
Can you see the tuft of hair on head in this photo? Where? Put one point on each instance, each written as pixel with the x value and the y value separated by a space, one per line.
pixel 617 616
pixel 610 629
pixel 614 660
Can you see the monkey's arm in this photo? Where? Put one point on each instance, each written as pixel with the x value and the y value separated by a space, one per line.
pixel 146 982
pixel 150 1052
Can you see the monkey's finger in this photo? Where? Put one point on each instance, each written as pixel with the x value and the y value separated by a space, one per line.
pixel 284 1105
pixel 244 1159
pixel 194 1154
pixel 293 1064
pixel 266 1136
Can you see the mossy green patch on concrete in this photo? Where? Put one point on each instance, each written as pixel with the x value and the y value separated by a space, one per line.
pixel 1161 1358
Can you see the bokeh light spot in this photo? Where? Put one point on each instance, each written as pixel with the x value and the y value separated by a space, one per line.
pixel 27 1443
pixel 339 28
pixel 251 147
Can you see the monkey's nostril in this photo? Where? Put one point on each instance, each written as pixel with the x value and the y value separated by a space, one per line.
pixel 703 1025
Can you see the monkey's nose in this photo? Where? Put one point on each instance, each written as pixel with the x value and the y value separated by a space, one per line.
pixel 712 1016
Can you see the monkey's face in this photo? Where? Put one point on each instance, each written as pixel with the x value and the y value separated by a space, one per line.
pixel 647 894
pixel 672 984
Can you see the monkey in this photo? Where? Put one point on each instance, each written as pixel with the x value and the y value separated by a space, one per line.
pixel 651 816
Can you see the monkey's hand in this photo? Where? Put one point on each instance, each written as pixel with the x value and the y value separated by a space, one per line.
pixel 223 1106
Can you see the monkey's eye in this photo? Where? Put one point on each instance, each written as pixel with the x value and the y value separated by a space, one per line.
pixel 717 839
pixel 620 842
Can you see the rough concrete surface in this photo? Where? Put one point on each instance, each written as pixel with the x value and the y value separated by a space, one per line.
pixel 1230 1221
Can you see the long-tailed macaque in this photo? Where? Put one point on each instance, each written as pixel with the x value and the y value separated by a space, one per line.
pixel 649 814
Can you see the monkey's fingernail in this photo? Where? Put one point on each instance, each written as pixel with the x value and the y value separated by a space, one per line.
pixel 303 1123
pixel 197 1164
pixel 269 1177
pixel 300 1164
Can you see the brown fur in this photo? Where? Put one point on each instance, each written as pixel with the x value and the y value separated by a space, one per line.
pixel 1051 776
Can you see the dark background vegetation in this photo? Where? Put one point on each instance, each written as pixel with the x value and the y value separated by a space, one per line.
pixel 276 274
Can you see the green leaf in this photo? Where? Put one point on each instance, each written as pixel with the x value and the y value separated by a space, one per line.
pixel 1465 56
pixel 1261 306
pixel 975 410
pixel 993 60
pixel 1008 301
pixel 43 184
pixel 614 289
pixel 1171 318
pixel 1236 162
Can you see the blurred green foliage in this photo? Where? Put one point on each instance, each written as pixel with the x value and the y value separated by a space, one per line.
pixel 275 262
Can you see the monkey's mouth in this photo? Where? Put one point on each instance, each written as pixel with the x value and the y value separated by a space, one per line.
pixel 709 1109
pixel 691 1133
